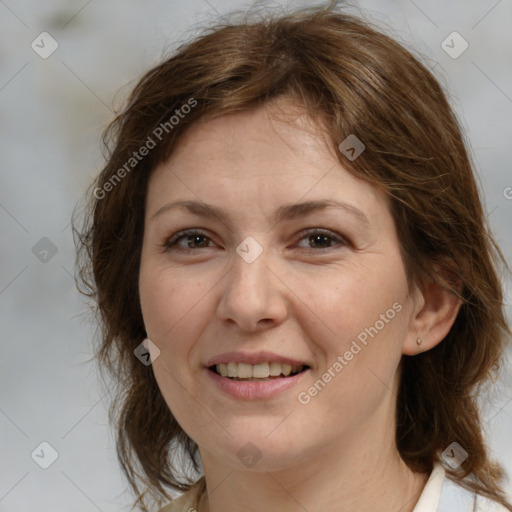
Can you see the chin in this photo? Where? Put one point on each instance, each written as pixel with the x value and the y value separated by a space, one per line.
pixel 259 453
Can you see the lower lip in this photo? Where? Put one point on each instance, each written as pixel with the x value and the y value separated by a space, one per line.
pixel 252 390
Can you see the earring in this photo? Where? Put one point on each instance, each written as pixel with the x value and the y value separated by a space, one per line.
pixel 418 341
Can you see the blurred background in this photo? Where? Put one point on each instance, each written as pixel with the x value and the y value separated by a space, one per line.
pixel 64 66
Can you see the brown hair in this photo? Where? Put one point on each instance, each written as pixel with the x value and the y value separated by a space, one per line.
pixel 354 80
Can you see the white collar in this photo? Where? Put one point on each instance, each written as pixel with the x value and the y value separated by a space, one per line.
pixel 429 499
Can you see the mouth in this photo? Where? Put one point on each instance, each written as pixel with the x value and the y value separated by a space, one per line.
pixel 262 381
pixel 256 373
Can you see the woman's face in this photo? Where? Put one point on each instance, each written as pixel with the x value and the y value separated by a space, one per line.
pixel 322 287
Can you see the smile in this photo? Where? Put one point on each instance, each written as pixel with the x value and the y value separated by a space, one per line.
pixel 253 382
pixel 256 371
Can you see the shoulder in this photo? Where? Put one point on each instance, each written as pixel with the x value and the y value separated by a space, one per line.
pixel 454 495
pixel 442 494
pixel 484 504
pixel 189 500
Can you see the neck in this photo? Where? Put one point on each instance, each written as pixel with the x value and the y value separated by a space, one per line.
pixel 364 473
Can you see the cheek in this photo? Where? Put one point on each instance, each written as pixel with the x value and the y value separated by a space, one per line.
pixel 168 297
pixel 364 319
pixel 171 307
pixel 362 309
pixel 352 300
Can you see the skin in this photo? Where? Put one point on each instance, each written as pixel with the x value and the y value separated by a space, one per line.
pixel 308 299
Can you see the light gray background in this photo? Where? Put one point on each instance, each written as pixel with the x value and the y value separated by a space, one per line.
pixel 52 113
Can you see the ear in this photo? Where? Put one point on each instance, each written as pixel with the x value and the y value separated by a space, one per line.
pixel 435 311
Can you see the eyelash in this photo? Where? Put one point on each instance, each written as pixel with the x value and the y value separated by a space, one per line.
pixel 170 244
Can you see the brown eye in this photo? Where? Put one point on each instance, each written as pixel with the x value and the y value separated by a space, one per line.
pixel 322 239
pixel 194 239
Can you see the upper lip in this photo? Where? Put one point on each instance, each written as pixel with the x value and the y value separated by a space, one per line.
pixel 253 358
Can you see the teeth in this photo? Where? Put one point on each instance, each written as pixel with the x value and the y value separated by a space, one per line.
pixel 232 370
pixel 258 371
pixel 275 369
pixel 244 371
pixel 287 369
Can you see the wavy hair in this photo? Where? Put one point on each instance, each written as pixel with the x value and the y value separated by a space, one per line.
pixel 352 79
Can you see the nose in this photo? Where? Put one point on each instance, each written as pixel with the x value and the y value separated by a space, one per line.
pixel 254 297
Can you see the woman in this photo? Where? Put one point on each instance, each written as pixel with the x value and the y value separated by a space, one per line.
pixel 296 284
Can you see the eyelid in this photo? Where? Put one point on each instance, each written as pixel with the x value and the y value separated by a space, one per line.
pixel 337 237
pixel 168 244
pixel 184 232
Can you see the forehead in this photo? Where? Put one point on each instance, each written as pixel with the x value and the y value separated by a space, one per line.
pixel 261 159
pixel 283 128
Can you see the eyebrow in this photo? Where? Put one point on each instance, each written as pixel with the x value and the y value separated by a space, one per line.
pixel 285 212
